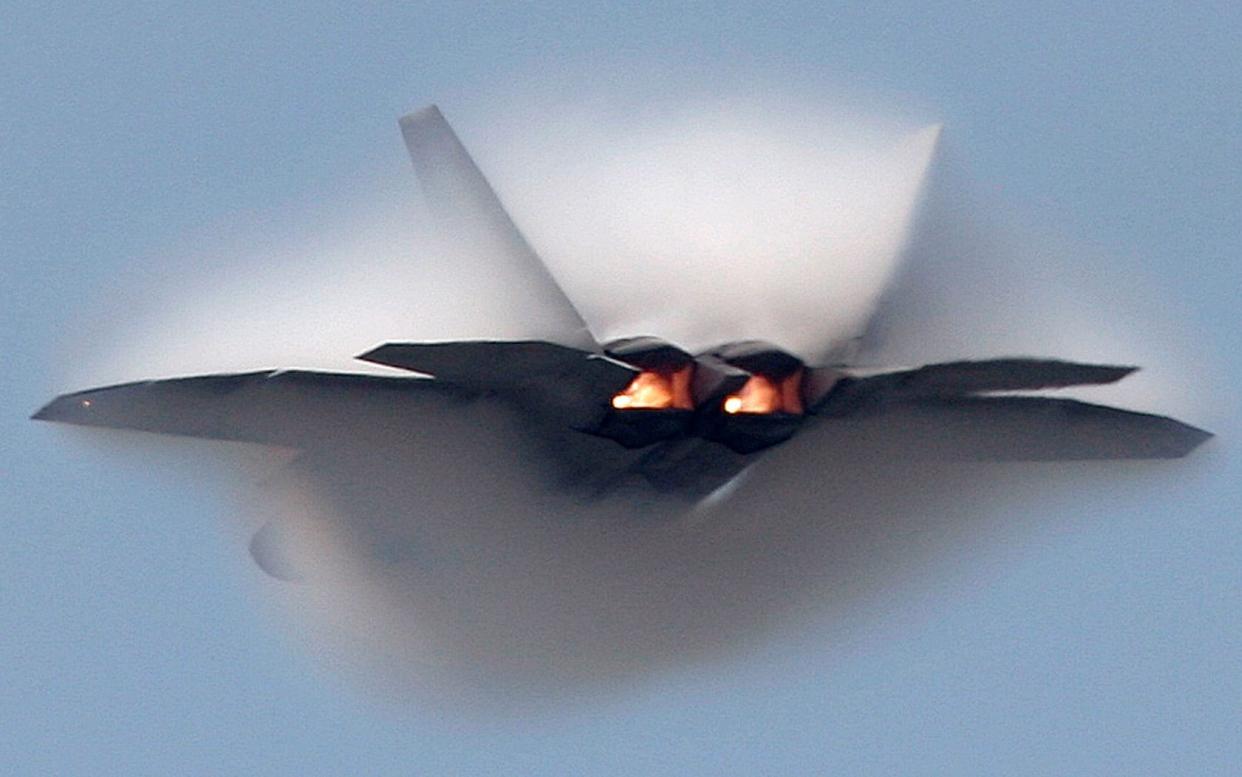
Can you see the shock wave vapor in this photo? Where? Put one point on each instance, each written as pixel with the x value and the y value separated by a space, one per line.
pixel 599 419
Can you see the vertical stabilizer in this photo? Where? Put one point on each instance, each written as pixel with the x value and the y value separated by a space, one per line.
pixel 473 220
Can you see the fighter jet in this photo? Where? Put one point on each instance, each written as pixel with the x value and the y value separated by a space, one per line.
pixel 597 416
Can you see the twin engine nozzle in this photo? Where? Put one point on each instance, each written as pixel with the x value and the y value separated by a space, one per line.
pixel 747 396
pixel 640 391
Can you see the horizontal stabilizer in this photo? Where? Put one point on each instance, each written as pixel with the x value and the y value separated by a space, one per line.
pixel 961 378
pixel 485 364
pixel 1009 375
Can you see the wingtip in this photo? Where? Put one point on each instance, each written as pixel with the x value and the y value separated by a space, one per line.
pixel 61 408
pixel 1199 436
pixel 430 111
pixel 90 407
pixel 1184 439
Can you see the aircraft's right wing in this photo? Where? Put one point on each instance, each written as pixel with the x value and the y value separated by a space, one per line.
pixel 1010 428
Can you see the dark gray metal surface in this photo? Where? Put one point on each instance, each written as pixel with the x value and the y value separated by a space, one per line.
pixel 288 408
pixel 975 428
pixel 913 414
pixel 950 379
pixel 489 364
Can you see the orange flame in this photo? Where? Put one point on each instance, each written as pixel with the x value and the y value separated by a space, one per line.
pixel 656 391
pixel 761 394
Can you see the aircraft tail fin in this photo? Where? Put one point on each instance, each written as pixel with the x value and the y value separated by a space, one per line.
pixel 471 215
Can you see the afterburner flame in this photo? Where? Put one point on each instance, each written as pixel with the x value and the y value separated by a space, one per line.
pixel 652 390
pixel 762 395
pixel 758 395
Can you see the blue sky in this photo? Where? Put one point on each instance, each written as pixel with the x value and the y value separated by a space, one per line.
pixel 1100 637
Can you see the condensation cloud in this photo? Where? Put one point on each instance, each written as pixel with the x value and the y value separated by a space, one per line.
pixel 434 560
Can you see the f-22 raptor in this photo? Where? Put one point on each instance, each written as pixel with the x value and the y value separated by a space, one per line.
pixel 638 409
